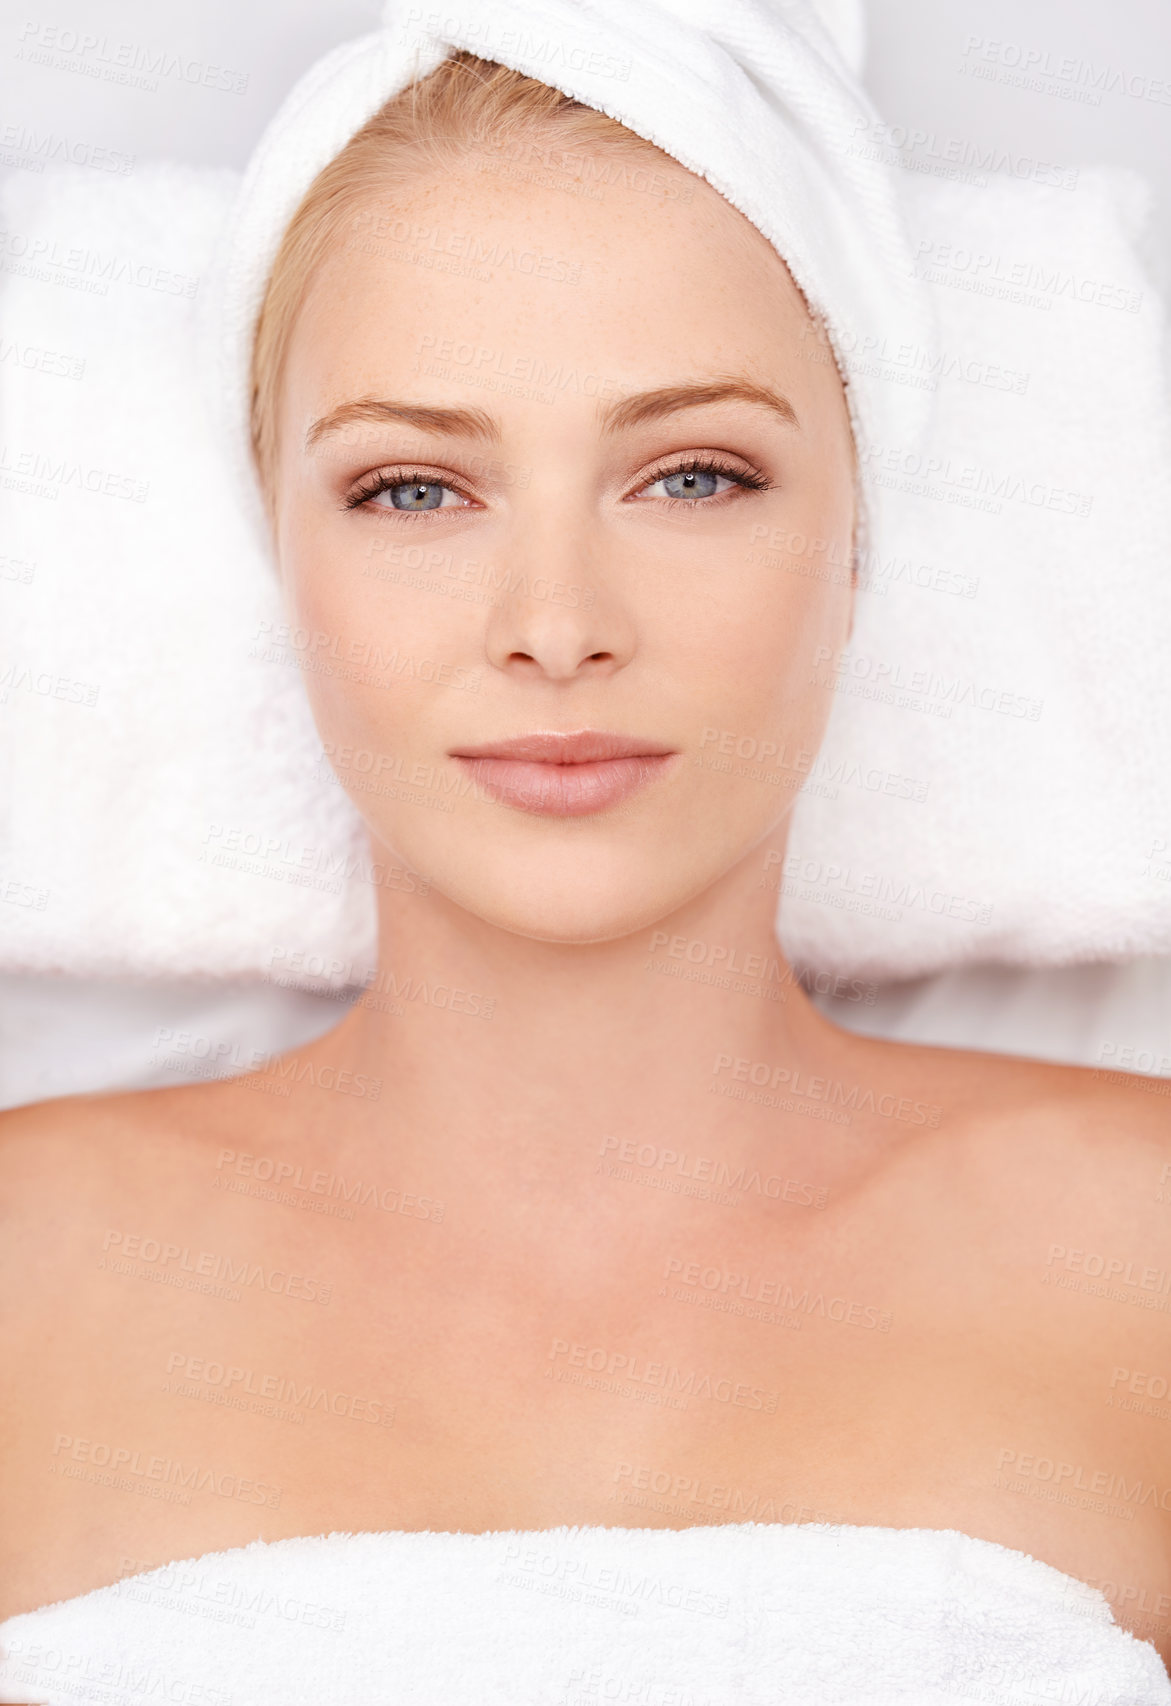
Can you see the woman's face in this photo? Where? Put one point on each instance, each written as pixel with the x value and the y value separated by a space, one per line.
pixel 600 479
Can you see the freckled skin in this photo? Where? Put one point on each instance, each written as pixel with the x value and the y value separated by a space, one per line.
pixel 554 1049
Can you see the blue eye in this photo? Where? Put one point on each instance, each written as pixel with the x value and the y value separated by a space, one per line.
pixel 692 483
pixel 417 494
pixel 414 494
pixel 704 477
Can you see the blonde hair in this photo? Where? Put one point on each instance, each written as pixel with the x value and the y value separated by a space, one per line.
pixel 467 104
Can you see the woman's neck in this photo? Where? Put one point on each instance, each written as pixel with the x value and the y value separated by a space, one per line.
pixel 676 1036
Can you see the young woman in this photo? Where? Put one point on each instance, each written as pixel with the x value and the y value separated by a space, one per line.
pixel 584 1214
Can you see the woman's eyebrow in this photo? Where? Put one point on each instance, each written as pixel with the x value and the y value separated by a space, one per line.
pixel 629 411
pixel 454 423
pixel 653 405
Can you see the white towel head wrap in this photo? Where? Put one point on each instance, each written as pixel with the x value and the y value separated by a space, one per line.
pixel 755 96
pixel 993 783
pixel 779 140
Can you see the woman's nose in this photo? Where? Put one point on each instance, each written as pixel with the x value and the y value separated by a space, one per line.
pixel 557 613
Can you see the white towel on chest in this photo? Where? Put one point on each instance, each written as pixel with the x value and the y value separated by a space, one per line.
pixel 749 1614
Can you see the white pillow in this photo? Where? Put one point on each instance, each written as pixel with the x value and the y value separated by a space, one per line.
pixel 169 809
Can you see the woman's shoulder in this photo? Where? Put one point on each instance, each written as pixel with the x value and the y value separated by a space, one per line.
pixel 69 1161
pixel 1075 1142
pixel 986 1092
pixel 1104 1122
pixel 68 1141
pixel 98 1131
pixel 1105 1140
pixel 1073 1162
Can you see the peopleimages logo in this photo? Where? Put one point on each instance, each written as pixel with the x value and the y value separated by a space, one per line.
pixel 630 1367
pixel 291 1176
pixel 743 1290
pixel 552 53
pixel 179 1263
pixel 89 270
pixel 301 1394
pixel 725 959
pixel 857 1098
pixel 815 879
pixel 1065 75
pixel 889 676
pixel 721 1175
pixel 127 62
pixel 124 1462
pixel 59 474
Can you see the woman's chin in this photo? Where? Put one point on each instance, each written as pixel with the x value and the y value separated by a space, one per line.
pixel 569 912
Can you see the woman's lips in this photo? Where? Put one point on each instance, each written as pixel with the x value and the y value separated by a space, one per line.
pixel 559 775
pixel 564 790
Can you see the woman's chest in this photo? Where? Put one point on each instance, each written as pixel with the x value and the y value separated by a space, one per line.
pixel 712 1380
